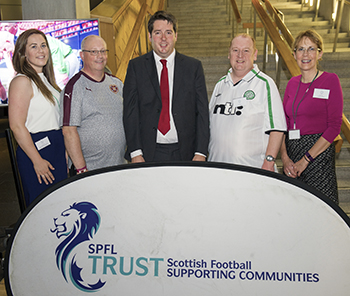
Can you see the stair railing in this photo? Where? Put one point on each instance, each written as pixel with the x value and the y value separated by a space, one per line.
pixel 317 8
pixel 283 45
pixel 338 21
pixel 237 15
pixel 284 51
pixel 130 31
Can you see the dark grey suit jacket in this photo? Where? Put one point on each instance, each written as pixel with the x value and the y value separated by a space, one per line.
pixel 142 106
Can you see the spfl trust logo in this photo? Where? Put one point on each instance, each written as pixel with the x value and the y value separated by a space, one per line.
pixel 75 225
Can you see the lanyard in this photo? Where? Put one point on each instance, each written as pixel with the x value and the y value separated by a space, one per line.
pixel 296 111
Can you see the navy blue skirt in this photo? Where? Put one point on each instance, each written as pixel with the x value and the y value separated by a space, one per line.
pixel 53 153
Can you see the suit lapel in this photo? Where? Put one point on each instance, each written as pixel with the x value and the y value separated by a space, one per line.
pixel 177 75
pixel 152 72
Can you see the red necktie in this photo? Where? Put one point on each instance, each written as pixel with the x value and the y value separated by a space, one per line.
pixel 164 119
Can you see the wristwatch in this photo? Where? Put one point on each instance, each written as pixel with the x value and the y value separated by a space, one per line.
pixel 270 158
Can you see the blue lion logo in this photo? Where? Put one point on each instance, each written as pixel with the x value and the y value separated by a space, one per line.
pixel 78 223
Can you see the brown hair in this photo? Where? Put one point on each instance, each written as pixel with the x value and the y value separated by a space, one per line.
pixel 22 66
pixel 163 16
pixel 312 35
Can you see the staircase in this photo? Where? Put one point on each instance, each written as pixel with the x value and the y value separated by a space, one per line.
pixel 298 18
pixel 205 33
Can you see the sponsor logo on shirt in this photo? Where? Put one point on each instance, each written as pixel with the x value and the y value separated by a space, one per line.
pixel 228 109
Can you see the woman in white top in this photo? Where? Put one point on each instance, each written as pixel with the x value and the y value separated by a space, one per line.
pixel 34 115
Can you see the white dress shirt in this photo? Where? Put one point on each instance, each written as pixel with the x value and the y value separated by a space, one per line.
pixel 171 135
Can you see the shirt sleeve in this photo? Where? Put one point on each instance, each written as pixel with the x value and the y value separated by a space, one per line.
pixel 275 119
pixel 334 109
pixel 71 106
pixel 285 102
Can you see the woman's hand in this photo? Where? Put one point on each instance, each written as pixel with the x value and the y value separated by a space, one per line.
pixel 43 171
pixel 289 167
pixel 300 166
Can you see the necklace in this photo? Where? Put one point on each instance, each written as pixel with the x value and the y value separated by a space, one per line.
pixel 296 111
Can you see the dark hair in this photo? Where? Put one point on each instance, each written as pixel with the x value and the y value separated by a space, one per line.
pixel 164 16
pixel 312 35
pixel 22 66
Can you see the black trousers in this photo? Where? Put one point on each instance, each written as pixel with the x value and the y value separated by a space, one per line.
pixel 167 152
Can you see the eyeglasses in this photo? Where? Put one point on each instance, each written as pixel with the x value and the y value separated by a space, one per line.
pixel 310 50
pixel 96 52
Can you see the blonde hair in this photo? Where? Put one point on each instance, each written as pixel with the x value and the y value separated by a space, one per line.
pixel 244 35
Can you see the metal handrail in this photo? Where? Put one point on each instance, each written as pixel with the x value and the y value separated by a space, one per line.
pixel 317 9
pixel 284 50
pixel 276 16
pixel 237 16
pixel 338 22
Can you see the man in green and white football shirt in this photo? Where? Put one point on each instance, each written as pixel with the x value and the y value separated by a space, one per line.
pixel 247 121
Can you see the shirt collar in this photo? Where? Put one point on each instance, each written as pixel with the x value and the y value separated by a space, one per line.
pixel 170 59
pixel 247 77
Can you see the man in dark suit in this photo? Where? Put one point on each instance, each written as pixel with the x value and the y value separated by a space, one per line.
pixel 165 102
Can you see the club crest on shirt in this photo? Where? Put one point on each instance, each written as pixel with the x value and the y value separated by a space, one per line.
pixel 113 88
pixel 249 95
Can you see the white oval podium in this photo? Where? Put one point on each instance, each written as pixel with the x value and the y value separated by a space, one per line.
pixel 180 229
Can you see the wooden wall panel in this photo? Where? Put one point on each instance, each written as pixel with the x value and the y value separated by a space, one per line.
pixel 107 33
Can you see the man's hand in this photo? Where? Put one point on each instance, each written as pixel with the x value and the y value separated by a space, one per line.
pixel 198 158
pixel 268 165
pixel 137 159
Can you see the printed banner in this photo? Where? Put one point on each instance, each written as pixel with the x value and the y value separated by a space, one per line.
pixel 182 229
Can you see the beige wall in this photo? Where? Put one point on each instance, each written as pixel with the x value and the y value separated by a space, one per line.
pixel 12 9
pixel 55 9
pixel 104 13
pixel 107 33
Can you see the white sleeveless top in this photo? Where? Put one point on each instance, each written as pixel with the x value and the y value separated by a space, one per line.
pixel 42 114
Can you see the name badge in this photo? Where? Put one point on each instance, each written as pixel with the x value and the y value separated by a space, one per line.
pixel 320 93
pixel 239 102
pixel 294 134
pixel 41 144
